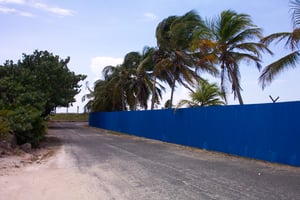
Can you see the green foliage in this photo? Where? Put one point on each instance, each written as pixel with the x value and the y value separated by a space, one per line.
pixel 187 46
pixel 234 35
pixel 52 79
pixel 71 117
pixel 206 94
pixel 4 124
pixel 174 38
pixel 291 60
pixel 30 90
pixel 127 86
pixel 28 125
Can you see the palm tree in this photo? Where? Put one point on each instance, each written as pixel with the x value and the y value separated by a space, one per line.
pixel 234 35
pixel 292 41
pixel 161 70
pixel 118 79
pixel 206 94
pixel 100 98
pixel 143 84
pixel 125 86
pixel 174 36
pixel 105 96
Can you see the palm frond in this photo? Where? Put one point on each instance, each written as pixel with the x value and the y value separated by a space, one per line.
pixel 238 56
pixel 231 23
pixel 245 34
pixel 254 47
pixel 295 10
pixel 272 70
pixel 276 36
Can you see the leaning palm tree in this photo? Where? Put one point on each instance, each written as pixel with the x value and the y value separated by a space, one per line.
pixel 206 94
pixel 142 82
pixel 292 41
pixel 161 72
pixel 118 78
pixel 234 35
pixel 131 84
pixel 100 98
pixel 126 86
pixel 174 36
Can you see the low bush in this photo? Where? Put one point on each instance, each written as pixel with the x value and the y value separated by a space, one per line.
pixel 28 125
pixel 4 124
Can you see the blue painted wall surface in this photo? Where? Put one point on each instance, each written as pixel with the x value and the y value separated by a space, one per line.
pixel 268 132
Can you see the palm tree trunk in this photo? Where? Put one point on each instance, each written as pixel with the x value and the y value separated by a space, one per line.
pixel 237 88
pixel 172 92
pixel 123 101
pixel 239 96
pixel 153 93
pixel 136 100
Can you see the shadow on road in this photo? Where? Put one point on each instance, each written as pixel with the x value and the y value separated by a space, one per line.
pixel 62 125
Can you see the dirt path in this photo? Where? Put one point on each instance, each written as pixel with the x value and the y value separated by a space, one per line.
pixel 48 178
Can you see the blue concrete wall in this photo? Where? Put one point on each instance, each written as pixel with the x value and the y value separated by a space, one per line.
pixel 268 132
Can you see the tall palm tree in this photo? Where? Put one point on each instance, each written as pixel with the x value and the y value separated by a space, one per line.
pixel 206 94
pixel 106 95
pixel 118 78
pixel 125 86
pixel 234 35
pixel 161 70
pixel 143 83
pixel 174 35
pixel 100 98
pixel 292 41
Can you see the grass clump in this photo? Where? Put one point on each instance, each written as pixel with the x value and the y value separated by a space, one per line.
pixel 70 117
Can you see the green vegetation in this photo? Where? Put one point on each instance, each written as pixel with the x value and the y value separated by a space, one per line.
pixel 187 47
pixel 70 117
pixel 235 38
pixel 205 95
pixel 292 41
pixel 30 89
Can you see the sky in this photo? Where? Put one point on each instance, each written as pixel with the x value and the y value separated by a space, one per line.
pixel 97 33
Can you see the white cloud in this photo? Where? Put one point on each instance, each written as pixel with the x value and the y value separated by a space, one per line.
pixel 52 9
pixel 6 10
pixel 12 1
pixel 99 62
pixel 150 16
pixel 25 14
pixel 58 11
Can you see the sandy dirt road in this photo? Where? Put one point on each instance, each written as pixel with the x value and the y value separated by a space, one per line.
pixel 93 164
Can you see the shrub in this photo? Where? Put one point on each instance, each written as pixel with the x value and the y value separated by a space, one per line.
pixel 4 124
pixel 28 125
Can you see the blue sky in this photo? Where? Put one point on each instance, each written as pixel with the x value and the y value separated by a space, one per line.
pixel 97 33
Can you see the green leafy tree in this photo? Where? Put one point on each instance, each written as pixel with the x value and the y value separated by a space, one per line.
pixel 20 106
pixel 51 77
pixel 206 94
pixel 31 89
pixel 292 41
pixel 5 128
